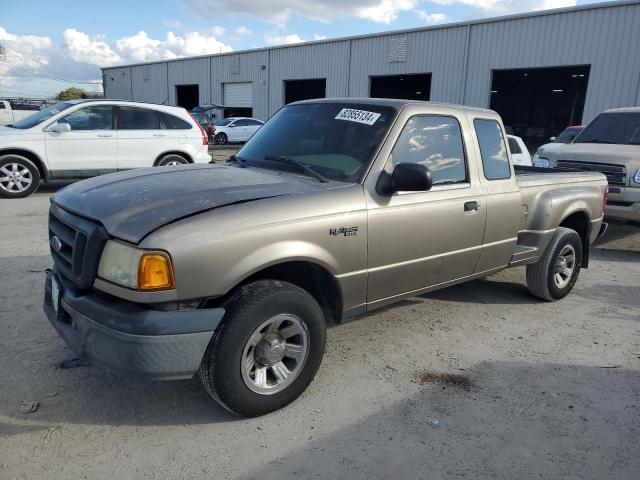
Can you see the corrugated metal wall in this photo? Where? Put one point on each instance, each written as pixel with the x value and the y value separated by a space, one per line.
pixel 189 72
pixel 150 83
pixel 439 52
pixel 245 67
pixel 608 39
pixel 118 83
pixel 460 58
pixel 321 60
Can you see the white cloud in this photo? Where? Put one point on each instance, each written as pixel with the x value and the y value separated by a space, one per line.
pixel 218 31
pixel 243 31
pixel 79 55
pixel 500 7
pixel 319 37
pixel 28 50
pixel 431 18
pixel 385 11
pixel 279 11
pixel 140 47
pixel 273 39
pixel 173 24
pixel 84 49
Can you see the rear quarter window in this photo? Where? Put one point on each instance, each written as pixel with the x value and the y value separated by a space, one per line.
pixel 495 161
pixel 171 122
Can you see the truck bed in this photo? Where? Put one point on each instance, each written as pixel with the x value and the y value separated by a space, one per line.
pixel 548 199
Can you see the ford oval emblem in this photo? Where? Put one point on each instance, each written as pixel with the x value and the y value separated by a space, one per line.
pixel 56 244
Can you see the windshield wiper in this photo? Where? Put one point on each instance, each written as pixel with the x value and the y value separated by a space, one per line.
pixel 595 140
pixel 300 165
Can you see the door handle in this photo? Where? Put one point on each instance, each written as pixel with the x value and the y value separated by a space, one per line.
pixel 471 206
pixel 105 134
pixel 159 134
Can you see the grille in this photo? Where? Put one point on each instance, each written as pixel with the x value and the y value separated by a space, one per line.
pixel 76 252
pixel 616 174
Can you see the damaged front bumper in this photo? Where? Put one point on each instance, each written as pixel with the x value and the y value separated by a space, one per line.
pixel 130 338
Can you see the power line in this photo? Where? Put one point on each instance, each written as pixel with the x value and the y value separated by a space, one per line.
pixel 48 77
pixel 31 92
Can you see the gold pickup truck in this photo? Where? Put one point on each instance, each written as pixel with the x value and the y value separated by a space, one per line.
pixel 334 208
pixel 610 144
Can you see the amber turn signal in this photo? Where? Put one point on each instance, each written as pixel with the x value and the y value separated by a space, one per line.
pixel 155 272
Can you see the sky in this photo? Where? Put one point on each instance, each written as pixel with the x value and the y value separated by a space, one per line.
pixel 51 46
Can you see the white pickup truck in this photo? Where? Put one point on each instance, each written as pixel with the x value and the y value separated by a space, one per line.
pixel 11 113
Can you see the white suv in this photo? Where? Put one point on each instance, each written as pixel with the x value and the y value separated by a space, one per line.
pixel 85 138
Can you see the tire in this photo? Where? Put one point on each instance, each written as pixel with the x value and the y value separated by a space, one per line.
pixel 541 276
pixel 19 176
pixel 221 139
pixel 222 371
pixel 172 159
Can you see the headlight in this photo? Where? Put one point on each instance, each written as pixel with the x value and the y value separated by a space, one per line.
pixel 135 268
pixel 636 177
pixel 542 163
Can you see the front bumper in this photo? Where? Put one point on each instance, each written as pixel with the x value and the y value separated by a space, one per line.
pixel 624 204
pixel 130 338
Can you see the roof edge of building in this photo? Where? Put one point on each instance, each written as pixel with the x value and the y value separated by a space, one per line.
pixel 480 21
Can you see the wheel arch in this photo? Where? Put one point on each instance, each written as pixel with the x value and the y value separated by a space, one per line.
pixel 44 172
pixel 184 155
pixel 312 277
pixel 579 221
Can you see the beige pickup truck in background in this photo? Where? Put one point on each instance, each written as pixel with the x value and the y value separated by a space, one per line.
pixel 334 208
pixel 609 144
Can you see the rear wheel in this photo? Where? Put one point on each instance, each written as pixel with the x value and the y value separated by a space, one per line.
pixel 171 159
pixel 221 139
pixel 267 350
pixel 555 274
pixel 19 176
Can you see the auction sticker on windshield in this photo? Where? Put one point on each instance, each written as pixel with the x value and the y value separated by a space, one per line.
pixel 359 116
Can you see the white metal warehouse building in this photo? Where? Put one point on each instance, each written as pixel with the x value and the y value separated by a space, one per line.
pixel 541 71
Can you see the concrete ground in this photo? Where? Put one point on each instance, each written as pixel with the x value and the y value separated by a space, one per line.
pixel 220 153
pixel 475 381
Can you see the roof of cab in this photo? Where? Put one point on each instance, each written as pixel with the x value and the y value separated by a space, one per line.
pixel 393 102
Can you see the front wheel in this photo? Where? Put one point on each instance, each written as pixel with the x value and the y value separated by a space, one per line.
pixel 555 274
pixel 267 350
pixel 221 139
pixel 19 177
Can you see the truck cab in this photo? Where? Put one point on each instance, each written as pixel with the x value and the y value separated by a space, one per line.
pixel 11 112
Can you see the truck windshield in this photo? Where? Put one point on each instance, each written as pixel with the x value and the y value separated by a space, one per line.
pixel 568 134
pixel 41 116
pixel 621 128
pixel 336 140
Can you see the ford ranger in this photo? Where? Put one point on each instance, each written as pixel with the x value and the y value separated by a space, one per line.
pixel 334 208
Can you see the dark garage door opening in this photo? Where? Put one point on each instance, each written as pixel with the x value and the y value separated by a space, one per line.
pixel 187 96
pixel 238 112
pixel 538 103
pixel 406 87
pixel 296 90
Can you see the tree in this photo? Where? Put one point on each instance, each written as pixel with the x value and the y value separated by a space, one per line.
pixel 72 93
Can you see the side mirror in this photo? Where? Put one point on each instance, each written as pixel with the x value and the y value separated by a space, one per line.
pixel 59 128
pixel 406 177
pixel 553 139
pixel 232 126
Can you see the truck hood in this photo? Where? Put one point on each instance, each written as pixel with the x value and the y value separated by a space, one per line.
pixel 627 155
pixel 132 204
